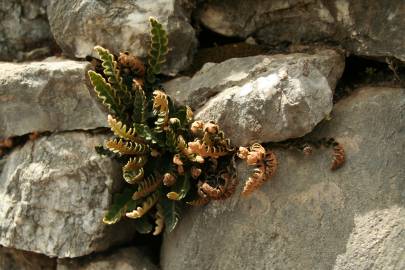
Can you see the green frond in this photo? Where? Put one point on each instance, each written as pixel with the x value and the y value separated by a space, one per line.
pixel 138 115
pixel 158 49
pixel 126 148
pixel 147 186
pixel 133 176
pixel 160 220
pixel 135 163
pixel 146 133
pixel 106 93
pixel 113 74
pixel 171 213
pixel 161 109
pixel 171 140
pixel 118 207
pixel 147 204
pixel 120 129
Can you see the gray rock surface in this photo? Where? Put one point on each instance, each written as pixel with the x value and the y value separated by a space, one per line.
pixel 263 98
pixel 123 259
pixel 55 191
pixel 13 259
pixel 361 26
pixel 122 26
pixel 308 217
pixel 47 96
pixel 23 27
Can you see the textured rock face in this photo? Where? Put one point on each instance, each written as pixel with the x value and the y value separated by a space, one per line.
pixel 361 26
pixel 23 26
pixel 384 250
pixel 125 259
pixel 308 217
pixel 54 193
pixel 46 96
pixel 263 98
pixel 122 26
pixel 12 259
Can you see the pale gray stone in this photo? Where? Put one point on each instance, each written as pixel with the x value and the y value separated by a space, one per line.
pixel 308 217
pixel 263 98
pixel 377 241
pixel 122 26
pixel 363 27
pixel 55 191
pixel 13 259
pixel 123 259
pixel 47 96
pixel 23 27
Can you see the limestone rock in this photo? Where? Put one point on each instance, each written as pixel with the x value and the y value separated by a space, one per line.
pixel 13 259
pixel 55 191
pixel 308 217
pixel 47 96
pixel 24 26
pixel 263 98
pixel 122 26
pixel 125 258
pixel 361 26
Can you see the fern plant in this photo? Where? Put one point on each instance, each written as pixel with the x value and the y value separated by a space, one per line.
pixel 168 160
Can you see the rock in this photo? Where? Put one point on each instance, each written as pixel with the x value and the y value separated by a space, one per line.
pixel 46 96
pixel 263 98
pixel 384 250
pixel 122 26
pixel 308 217
pixel 24 26
pixel 363 27
pixel 126 258
pixel 55 191
pixel 13 259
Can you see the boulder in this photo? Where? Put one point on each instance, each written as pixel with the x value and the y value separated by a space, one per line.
pixel 123 26
pixel 55 191
pixel 24 27
pixel 263 98
pixel 47 96
pixel 126 258
pixel 13 259
pixel 308 217
pixel 363 27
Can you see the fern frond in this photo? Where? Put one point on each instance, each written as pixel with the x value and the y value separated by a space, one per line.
pixel 160 220
pixel 180 189
pixel 171 213
pixel 118 207
pixel 147 186
pixel 147 204
pixel 133 176
pixel 338 158
pixel 270 162
pixel 126 148
pixel 158 49
pixel 212 192
pixel 120 129
pixel 132 63
pixel 161 109
pixel 135 163
pixel 255 180
pixel 138 115
pixel 106 93
pixel 204 150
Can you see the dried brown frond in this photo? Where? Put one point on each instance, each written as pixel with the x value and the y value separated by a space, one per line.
pixel 256 154
pixel 338 158
pixel 132 63
pixel 255 180
pixel 195 172
pixel 199 148
pixel 270 162
pixel 177 160
pixel 197 126
pixel 211 127
pixel 243 152
pixel 160 220
pixel 169 179
pixel 212 192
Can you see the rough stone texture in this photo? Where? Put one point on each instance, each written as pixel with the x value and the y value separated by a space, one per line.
pixel 46 96
pixel 385 249
pixel 54 193
pixel 122 26
pixel 123 259
pixel 12 259
pixel 263 98
pixel 23 26
pixel 361 26
pixel 308 217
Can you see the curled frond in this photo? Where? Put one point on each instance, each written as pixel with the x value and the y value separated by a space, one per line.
pixel 212 192
pixel 147 186
pixel 160 220
pixel 147 204
pixel 338 158
pixel 120 129
pixel 197 126
pixel 270 162
pixel 133 176
pixel 256 154
pixel 161 109
pixel 255 180
pixel 135 163
pixel 204 150
pixel 126 148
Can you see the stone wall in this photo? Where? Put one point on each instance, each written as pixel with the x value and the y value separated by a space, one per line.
pixel 297 78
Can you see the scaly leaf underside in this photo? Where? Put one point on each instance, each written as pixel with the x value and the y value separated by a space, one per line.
pixel 147 204
pixel 120 129
pixel 147 186
pixel 122 147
